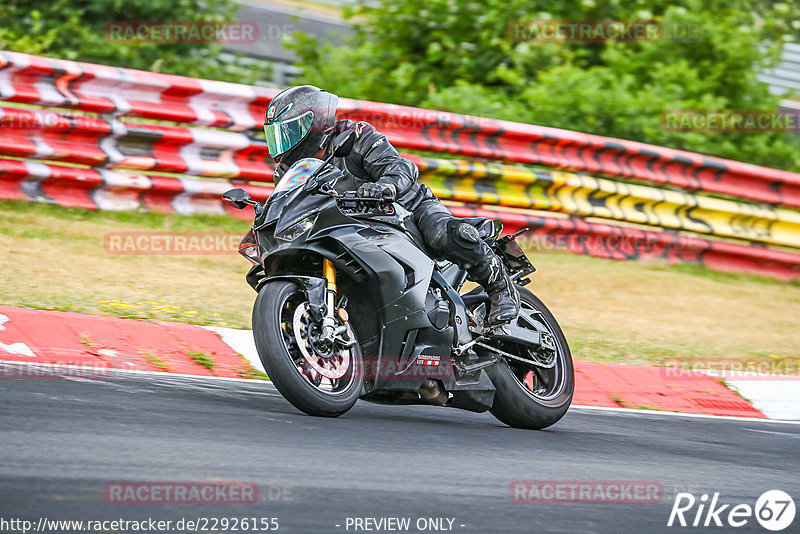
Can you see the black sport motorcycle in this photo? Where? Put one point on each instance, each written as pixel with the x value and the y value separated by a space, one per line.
pixel 351 305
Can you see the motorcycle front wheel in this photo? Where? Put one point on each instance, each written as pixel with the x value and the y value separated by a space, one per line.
pixel 316 377
pixel 534 396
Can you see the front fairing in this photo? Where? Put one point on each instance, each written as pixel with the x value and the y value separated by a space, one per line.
pixel 290 207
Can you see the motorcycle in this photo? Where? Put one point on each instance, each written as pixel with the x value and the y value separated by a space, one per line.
pixel 351 304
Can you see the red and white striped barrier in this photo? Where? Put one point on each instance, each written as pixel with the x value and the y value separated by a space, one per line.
pixel 121 157
pixel 125 92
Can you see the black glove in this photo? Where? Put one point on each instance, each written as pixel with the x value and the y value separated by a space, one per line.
pixel 384 192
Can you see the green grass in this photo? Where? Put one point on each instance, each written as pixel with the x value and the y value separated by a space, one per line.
pixel 200 358
pixel 249 372
pixel 619 401
pixel 158 362
pixel 11 210
pixel 702 271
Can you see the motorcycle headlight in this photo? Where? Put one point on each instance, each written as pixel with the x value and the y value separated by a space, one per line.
pixel 252 252
pixel 297 229
pixel 249 248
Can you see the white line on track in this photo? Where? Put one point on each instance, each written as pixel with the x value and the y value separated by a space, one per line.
pixel 771 432
pixel 621 411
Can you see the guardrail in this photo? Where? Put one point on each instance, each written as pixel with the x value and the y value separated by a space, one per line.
pixel 784 77
pixel 97 146
pixel 116 144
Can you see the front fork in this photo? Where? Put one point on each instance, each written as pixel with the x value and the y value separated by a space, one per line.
pixel 330 330
pixel 329 321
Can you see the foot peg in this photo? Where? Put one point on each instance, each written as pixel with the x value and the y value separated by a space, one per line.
pixel 472 362
pixel 466 369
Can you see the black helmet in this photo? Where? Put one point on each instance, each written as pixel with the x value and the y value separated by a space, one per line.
pixel 299 121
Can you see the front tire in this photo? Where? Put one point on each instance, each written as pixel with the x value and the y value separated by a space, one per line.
pixel 534 398
pixel 276 312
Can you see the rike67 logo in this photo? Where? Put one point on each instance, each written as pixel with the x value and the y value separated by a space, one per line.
pixel 774 510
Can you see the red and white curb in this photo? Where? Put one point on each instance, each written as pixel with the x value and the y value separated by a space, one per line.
pixel 242 342
pixel 775 396
pixel 35 337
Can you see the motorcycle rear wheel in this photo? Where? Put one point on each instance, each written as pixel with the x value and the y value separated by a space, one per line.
pixel 531 397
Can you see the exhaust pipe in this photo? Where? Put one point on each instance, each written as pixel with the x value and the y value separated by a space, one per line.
pixel 432 393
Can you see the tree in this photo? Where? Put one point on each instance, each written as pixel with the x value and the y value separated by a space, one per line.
pixel 75 29
pixel 462 57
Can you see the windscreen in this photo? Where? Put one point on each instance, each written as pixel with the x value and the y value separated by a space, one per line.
pixel 297 175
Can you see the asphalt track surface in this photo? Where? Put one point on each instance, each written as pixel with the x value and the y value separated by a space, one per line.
pixel 276 21
pixel 63 440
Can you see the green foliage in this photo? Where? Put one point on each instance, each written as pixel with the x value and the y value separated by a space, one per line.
pixel 251 373
pixel 203 359
pixel 74 29
pixel 157 362
pixel 460 56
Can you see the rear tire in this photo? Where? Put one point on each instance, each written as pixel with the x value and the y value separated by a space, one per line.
pixel 269 331
pixel 514 402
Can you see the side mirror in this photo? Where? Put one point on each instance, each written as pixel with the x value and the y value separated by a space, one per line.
pixel 238 198
pixel 343 144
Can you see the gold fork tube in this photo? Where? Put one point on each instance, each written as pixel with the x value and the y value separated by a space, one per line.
pixel 329 273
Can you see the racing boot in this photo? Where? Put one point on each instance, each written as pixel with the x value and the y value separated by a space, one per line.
pixel 503 295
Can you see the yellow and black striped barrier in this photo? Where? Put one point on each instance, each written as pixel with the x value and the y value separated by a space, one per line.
pixel 588 196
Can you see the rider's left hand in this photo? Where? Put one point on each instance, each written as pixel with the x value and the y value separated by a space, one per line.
pixel 384 192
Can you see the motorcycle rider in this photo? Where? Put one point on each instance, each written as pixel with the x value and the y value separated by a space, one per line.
pixel 301 123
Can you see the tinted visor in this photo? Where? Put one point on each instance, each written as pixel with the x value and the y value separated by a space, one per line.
pixel 283 135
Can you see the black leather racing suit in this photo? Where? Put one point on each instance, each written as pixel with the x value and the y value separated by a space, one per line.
pixel 374 159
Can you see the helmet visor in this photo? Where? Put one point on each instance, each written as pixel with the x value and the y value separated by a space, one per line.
pixel 283 135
